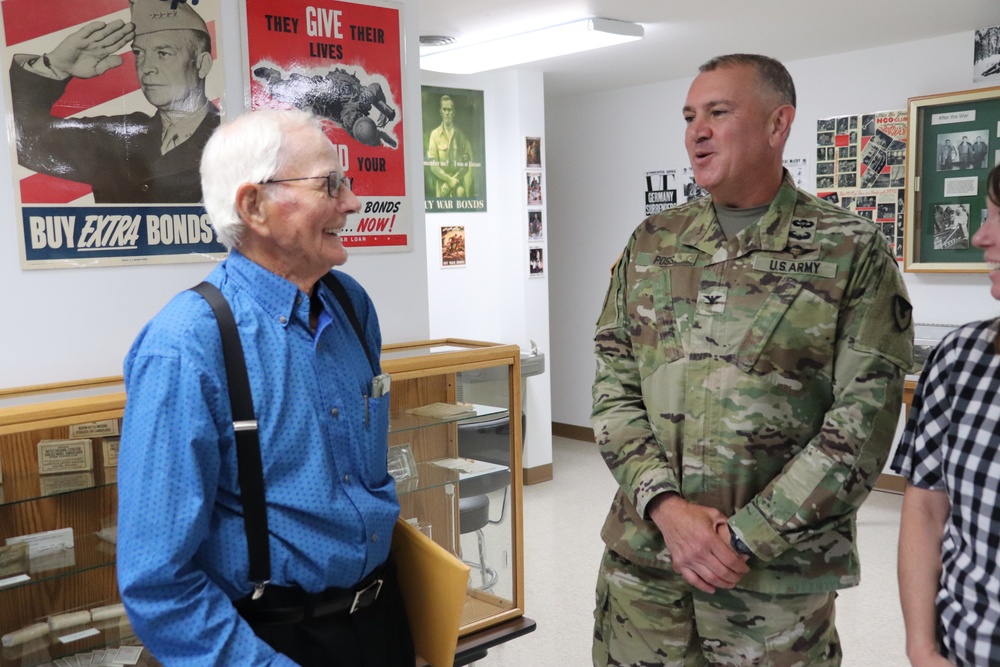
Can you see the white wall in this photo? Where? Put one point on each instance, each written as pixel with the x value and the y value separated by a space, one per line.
pixel 67 324
pixel 492 298
pixel 600 145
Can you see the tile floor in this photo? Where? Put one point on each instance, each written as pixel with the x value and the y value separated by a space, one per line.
pixel 562 548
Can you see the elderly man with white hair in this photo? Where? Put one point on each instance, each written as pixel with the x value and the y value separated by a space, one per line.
pixel 310 336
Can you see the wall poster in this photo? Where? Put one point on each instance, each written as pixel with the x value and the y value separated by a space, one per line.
pixel 536 262
pixel 861 165
pixel 102 176
pixel 342 61
pixel 986 55
pixel 661 191
pixel 535 229
pixel 453 246
pixel 454 150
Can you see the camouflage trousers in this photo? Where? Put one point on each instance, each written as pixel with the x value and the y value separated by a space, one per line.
pixel 648 617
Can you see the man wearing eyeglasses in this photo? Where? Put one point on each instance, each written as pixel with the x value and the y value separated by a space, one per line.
pixel 278 200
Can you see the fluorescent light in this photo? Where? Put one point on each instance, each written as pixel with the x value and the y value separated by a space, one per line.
pixel 530 46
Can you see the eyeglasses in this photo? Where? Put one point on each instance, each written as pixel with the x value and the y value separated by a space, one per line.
pixel 333 182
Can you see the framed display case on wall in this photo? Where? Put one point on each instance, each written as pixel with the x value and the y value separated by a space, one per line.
pixel 954 140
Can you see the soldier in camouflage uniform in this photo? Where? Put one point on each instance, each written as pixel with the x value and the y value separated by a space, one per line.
pixel 750 361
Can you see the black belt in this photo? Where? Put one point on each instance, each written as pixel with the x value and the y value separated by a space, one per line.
pixel 284 605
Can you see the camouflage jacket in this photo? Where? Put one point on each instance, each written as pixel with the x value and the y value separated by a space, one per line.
pixel 761 376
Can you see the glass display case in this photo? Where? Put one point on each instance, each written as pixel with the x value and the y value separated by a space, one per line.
pixel 454 450
pixel 459 481
pixel 58 509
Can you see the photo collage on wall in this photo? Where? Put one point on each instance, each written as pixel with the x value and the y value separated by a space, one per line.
pixel 535 211
pixel 861 165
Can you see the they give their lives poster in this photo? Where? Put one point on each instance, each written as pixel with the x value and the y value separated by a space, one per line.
pixel 343 62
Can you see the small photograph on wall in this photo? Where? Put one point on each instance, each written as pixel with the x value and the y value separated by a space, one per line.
pixel 453 246
pixel 454 150
pixel 535 226
pixel 951 226
pixel 534 179
pixel 533 152
pixel 986 55
pixel 962 150
pixel 536 262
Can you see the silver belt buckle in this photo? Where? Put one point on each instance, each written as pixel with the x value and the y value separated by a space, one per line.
pixel 377 585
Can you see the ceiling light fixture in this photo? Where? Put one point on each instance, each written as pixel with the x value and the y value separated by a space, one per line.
pixel 558 40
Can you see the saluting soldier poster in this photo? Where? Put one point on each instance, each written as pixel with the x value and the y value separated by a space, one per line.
pixel 343 62
pixel 454 150
pixel 110 103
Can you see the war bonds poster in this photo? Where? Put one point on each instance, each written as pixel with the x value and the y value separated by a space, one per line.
pixel 110 105
pixel 454 150
pixel 343 62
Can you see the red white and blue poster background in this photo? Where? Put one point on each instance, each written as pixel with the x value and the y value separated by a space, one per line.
pixel 343 61
pixel 57 220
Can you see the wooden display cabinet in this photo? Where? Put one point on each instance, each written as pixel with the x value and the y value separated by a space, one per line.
pixel 439 485
pixel 59 580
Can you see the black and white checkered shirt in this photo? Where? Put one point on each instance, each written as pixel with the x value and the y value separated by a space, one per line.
pixel 952 444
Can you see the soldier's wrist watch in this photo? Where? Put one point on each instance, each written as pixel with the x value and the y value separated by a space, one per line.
pixel 739 545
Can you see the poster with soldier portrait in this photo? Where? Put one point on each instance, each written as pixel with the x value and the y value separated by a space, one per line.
pixel 343 62
pixel 453 245
pixel 110 104
pixel 454 150
pixel 861 165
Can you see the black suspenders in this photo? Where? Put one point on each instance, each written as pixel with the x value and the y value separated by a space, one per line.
pixel 249 467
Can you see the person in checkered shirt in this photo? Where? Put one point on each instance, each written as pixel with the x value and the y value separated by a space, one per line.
pixel 949 540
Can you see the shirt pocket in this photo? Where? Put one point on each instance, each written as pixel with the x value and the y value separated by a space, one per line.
pixel 657 339
pixel 790 340
pixel 376 441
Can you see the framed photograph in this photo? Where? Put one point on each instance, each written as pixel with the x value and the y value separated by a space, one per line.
pixel 536 262
pixel 953 141
pixel 535 231
pixel 533 152
pixel 534 181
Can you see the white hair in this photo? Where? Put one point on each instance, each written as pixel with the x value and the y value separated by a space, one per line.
pixel 245 150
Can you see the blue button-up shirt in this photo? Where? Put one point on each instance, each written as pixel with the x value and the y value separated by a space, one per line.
pixel 331 506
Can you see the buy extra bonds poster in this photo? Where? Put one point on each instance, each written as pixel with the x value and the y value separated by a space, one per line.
pixel 343 62
pixel 102 173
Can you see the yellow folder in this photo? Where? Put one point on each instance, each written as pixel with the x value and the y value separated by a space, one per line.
pixel 433 581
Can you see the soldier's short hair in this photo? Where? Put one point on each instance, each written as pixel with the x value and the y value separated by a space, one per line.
pixel 770 72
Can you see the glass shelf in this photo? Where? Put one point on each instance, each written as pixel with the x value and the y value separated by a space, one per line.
pixel 89 552
pixel 407 422
pixel 111 632
pixel 32 486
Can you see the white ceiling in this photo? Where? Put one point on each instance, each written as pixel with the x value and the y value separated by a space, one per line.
pixel 682 34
